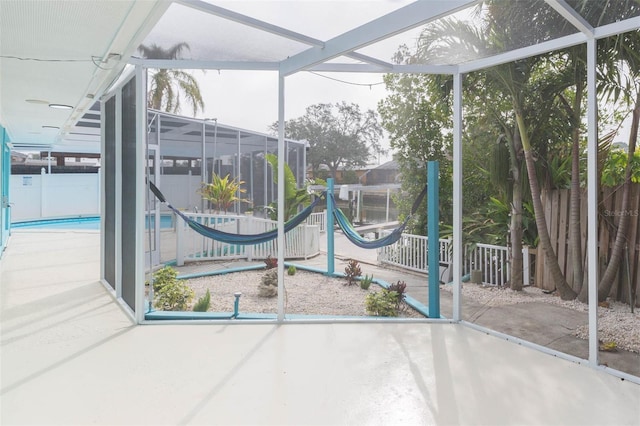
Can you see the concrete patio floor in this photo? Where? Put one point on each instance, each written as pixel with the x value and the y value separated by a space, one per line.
pixel 70 355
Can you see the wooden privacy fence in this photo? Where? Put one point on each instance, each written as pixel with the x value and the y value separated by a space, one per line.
pixel 556 205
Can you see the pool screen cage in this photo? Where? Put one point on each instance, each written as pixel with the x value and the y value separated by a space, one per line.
pixel 183 153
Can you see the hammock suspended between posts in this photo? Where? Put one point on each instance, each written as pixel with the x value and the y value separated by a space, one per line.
pixel 352 235
pixel 240 239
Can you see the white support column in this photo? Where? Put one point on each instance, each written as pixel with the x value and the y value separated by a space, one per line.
pixel 43 191
pixel 281 156
pixel 592 199
pixel 141 189
pixel 457 194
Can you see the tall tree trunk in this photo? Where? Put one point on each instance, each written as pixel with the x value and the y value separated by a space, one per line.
pixel 575 239
pixel 551 260
pixel 515 279
pixel 604 287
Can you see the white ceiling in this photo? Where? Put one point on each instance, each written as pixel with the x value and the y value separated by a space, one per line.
pixel 63 52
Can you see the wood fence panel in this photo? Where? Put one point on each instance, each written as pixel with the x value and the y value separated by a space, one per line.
pixel 557 208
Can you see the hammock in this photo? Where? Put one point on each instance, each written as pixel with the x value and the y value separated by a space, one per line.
pixel 352 235
pixel 240 239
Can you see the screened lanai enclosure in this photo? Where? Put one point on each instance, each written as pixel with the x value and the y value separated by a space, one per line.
pixel 286 40
pixel 184 153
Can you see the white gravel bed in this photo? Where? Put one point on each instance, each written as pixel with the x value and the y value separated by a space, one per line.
pixel 615 323
pixel 305 293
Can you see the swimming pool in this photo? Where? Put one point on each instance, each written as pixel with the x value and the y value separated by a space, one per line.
pixel 89 222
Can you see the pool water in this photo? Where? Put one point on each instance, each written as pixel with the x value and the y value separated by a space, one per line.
pixel 91 222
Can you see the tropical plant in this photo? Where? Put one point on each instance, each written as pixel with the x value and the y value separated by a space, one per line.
pixel 223 192
pixel 168 87
pixel 365 282
pixel 291 270
pixel 293 197
pixel 352 271
pixel 171 294
pixel 616 54
pixel 203 303
pixel 400 288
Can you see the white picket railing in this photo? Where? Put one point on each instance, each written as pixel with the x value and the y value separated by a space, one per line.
pixel 318 219
pixel 410 252
pixel 301 242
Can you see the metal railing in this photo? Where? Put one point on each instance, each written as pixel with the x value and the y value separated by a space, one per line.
pixel 301 242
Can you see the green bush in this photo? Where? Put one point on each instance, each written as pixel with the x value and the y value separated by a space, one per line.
pixel 383 303
pixel 203 303
pixel 291 270
pixel 171 294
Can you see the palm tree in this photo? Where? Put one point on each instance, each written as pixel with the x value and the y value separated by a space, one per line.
pixel 166 86
pixel 615 54
pixel 449 36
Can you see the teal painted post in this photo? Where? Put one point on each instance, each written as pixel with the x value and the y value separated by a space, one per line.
pixel 433 233
pixel 330 257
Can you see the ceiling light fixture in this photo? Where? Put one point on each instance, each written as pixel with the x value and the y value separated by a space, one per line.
pixel 60 106
pixel 37 101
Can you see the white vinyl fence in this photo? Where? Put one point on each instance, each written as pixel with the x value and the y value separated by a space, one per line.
pixel 318 219
pixel 410 252
pixel 48 196
pixel 301 242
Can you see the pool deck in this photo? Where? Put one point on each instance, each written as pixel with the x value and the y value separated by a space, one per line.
pixel 70 356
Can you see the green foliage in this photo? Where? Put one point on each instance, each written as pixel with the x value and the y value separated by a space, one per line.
pixel 352 271
pixel 339 135
pixel 293 197
pixel 365 282
pixel 223 192
pixel 417 117
pixel 291 270
pixel 171 294
pixel 270 262
pixel 203 303
pixel 613 173
pixel 383 303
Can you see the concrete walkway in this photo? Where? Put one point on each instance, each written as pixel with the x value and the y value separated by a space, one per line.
pixel 70 356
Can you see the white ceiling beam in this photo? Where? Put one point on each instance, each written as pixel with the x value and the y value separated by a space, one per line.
pixel 525 52
pixel 571 15
pixel 631 24
pixel 247 20
pixel 395 69
pixel 191 64
pixel 396 22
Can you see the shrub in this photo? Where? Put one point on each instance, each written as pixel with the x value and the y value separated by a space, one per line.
pixel 400 287
pixel 365 283
pixel 352 271
pixel 171 294
pixel 383 303
pixel 203 303
pixel 291 270
pixel 271 262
